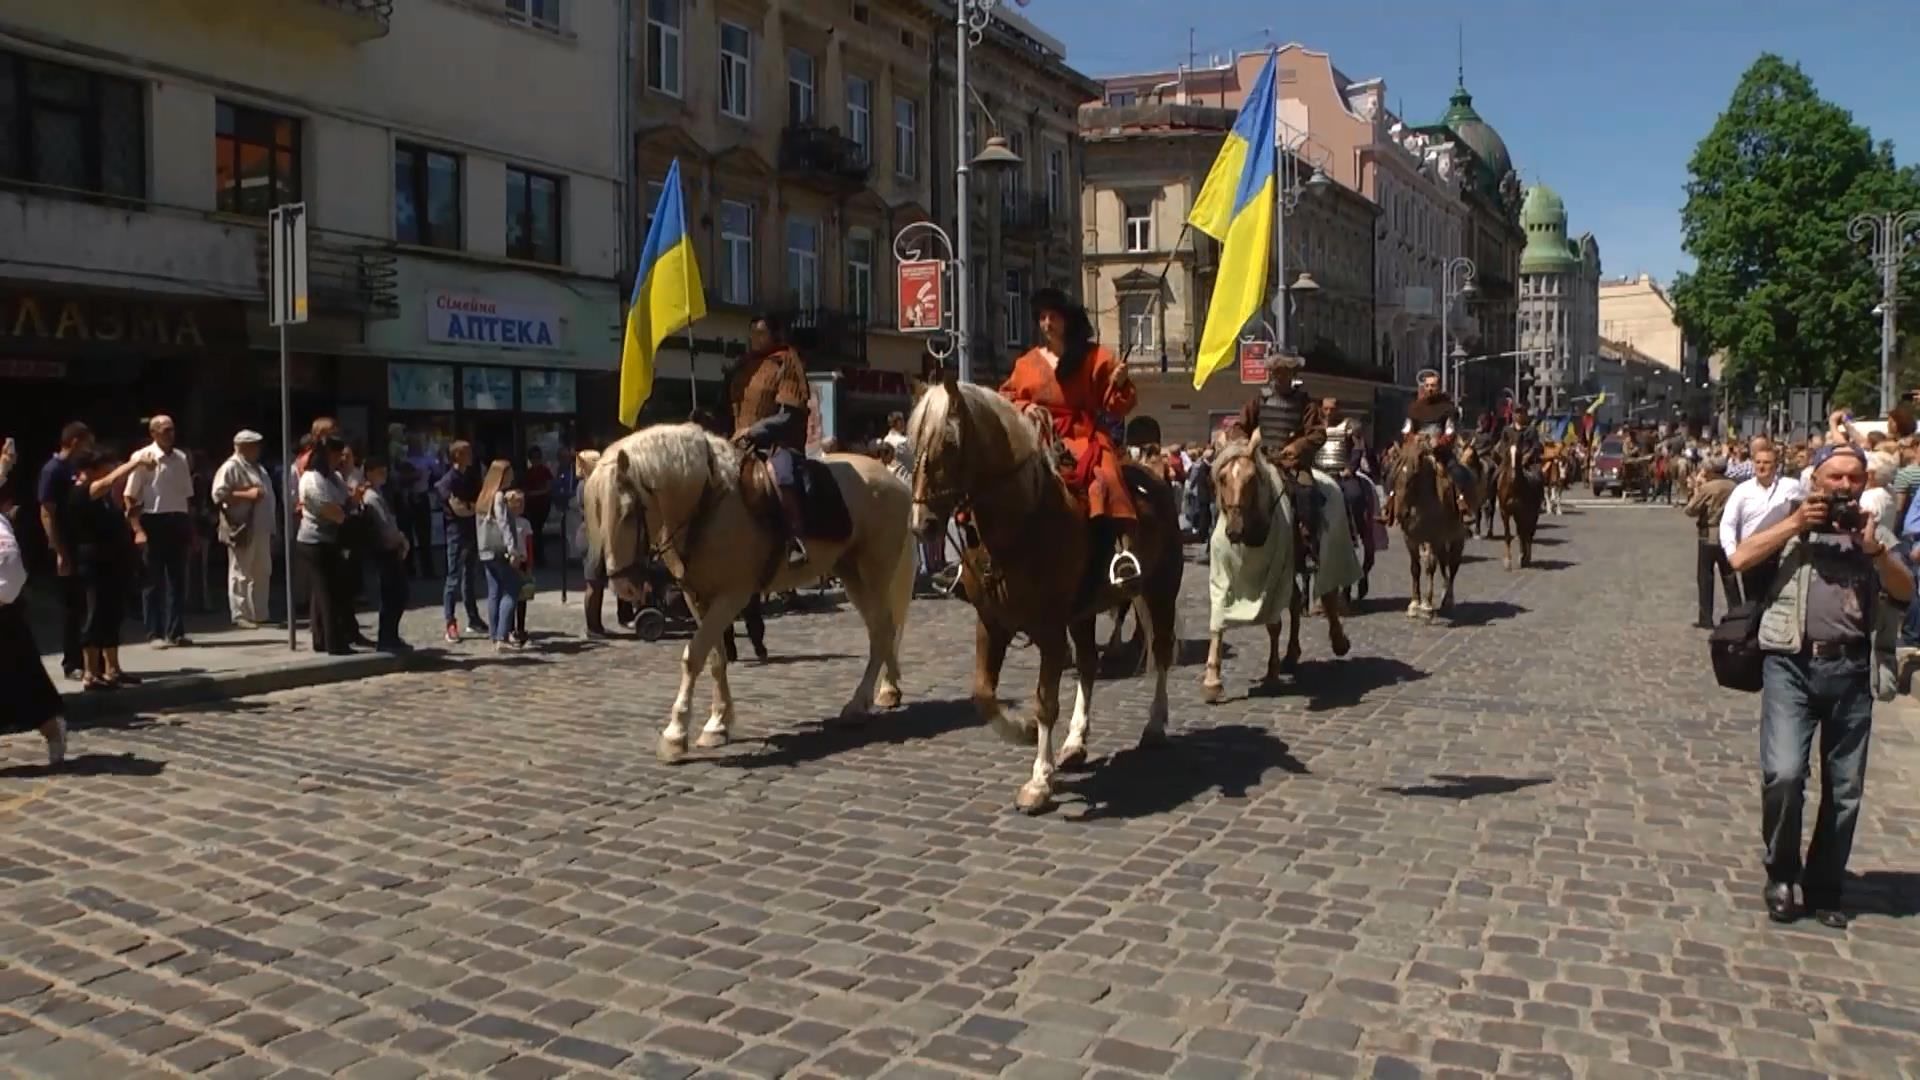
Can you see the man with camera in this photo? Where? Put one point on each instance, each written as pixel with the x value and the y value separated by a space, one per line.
pixel 1828 627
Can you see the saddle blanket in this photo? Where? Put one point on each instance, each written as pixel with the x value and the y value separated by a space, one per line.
pixel 823 506
pixel 1254 586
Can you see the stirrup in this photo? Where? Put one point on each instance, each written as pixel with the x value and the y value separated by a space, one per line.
pixel 796 554
pixel 1124 569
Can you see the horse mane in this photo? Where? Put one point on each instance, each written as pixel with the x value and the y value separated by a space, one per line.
pixel 933 424
pixel 673 465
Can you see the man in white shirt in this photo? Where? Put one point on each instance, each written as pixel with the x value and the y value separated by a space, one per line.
pixel 249 519
pixel 896 437
pixel 157 501
pixel 1756 503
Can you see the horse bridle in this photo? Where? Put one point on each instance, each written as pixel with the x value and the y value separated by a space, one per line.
pixel 676 542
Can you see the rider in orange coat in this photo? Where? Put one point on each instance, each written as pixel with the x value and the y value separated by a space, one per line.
pixel 1073 381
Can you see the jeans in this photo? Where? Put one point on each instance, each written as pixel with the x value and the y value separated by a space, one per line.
pixel 1910 626
pixel 1711 563
pixel 163 598
pixel 503 597
pixel 393 596
pixel 1799 694
pixel 463 581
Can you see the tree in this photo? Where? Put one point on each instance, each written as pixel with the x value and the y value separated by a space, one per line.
pixel 1779 286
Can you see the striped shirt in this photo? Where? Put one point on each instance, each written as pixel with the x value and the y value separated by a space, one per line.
pixel 1739 470
pixel 1907 479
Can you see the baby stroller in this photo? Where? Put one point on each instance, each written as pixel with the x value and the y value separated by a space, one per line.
pixel 663 608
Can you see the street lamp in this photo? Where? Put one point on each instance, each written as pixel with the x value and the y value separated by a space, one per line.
pixel 1289 187
pixel 1456 280
pixel 1891 234
pixel 970 26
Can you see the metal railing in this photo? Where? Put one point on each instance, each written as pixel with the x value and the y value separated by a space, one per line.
pixel 824 155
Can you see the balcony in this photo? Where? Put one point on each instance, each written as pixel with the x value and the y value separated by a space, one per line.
pixel 1027 217
pixel 81 238
pixel 823 158
pixel 355 22
pixel 827 338
pixel 345 275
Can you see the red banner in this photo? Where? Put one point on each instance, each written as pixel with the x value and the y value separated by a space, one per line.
pixel 1253 362
pixel 922 307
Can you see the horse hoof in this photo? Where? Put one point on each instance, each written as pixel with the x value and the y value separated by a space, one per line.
pixel 1035 797
pixel 1210 692
pixel 711 740
pixel 1291 664
pixel 1072 756
pixel 672 750
pixel 1342 646
pixel 888 697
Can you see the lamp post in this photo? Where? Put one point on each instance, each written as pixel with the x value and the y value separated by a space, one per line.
pixel 1288 188
pixel 1890 235
pixel 970 26
pixel 1456 280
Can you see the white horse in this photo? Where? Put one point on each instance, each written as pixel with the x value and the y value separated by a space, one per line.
pixel 672 492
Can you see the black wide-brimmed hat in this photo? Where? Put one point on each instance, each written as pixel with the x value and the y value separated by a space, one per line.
pixel 1055 300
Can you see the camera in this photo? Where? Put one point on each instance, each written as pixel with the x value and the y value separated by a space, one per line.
pixel 1844 514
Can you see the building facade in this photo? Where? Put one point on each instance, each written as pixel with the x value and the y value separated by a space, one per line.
pixel 463 246
pixel 1558 323
pixel 808 136
pixel 1148 279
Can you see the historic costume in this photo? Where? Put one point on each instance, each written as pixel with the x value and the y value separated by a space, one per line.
pixel 1075 388
pixel 1433 415
pixel 770 406
pixel 1293 429
pixel 1527 437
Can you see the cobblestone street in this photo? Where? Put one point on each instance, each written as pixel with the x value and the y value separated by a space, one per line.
pixel 1524 843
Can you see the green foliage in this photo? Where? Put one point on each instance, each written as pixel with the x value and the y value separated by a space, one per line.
pixel 1780 287
pixel 1858 391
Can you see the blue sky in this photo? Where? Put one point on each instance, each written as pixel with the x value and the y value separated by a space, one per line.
pixel 1602 101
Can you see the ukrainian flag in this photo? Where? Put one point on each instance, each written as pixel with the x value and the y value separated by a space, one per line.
pixel 666 296
pixel 1235 207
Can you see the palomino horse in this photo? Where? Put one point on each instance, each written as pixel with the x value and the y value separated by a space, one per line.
pixel 975 451
pixel 1554 473
pixel 1252 564
pixel 1520 498
pixel 1425 503
pixel 674 492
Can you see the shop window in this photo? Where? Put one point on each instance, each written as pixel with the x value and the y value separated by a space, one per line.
pixel 426 197
pixel 256 160
pixel 533 216
pixel 67 127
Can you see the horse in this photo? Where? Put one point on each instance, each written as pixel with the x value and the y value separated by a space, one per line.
pixel 1025 560
pixel 1479 502
pixel 1252 565
pixel 1554 474
pixel 1426 506
pixel 679 494
pixel 1520 498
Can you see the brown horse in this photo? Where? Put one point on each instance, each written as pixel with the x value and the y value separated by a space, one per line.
pixel 1428 510
pixel 1520 498
pixel 1248 498
pixel 1025 560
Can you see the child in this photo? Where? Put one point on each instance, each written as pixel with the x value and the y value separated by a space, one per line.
pixel 522 561
pixel 390 554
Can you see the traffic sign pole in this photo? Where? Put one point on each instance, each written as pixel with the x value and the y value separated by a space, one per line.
pixel 287 305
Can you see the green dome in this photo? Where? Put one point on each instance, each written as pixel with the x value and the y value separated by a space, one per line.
pixel 1544 217
pixel 1479 136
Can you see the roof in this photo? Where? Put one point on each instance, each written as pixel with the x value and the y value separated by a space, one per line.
pixel 1544 217
pixel 1465 122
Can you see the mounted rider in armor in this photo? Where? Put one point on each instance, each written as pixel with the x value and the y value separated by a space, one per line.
pixel 1293 428
pixel 1434 416
pixel 771 402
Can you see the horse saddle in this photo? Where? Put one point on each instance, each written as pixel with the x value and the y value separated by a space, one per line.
pixel 823 509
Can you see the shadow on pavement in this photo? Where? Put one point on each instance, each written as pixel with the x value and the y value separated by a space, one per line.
pixel 1468 787
pixel 1343 683
pixel 1549 564
pixel 920 720
pixel 775 659
pixel 90 765
pixel 1144 781
pixel 1482 612
pixel 1893 893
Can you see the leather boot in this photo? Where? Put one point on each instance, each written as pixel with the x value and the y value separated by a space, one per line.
pixel 593 604
pixel 790 507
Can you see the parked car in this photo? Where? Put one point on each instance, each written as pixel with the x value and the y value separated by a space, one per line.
pixel 1608 471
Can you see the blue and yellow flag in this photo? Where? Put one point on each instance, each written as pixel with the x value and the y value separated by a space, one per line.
pixel 666 296
pixel 1235 207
